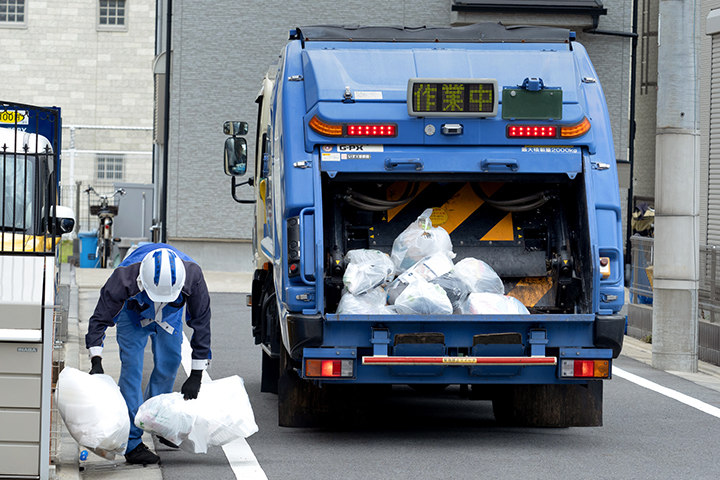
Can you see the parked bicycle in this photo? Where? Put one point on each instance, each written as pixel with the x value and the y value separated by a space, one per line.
pixel 105 213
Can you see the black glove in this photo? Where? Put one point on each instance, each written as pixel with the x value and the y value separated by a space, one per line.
pixel 96 365
pixel 191 387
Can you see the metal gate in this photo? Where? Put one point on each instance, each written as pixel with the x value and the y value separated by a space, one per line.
pixel 29 170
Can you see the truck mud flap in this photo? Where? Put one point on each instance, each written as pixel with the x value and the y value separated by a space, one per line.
pixel 610 332
pixel 304 331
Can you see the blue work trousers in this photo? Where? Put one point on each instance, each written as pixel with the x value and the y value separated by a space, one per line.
pixel 167 355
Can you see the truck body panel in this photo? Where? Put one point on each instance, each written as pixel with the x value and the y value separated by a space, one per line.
pixel 560 253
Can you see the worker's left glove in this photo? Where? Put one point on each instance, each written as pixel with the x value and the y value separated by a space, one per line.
pixel 191 387
pixel 96 363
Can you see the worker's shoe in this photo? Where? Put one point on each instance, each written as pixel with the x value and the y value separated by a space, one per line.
pixel 141 455
pixel 166 442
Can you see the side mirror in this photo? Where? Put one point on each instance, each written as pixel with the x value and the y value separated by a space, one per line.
pixel 235 128
pixel 235 156
pixel 63 219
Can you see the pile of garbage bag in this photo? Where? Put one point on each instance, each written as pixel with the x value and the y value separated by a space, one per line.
pixel 220 414
pixel 420 278
pixel 94 411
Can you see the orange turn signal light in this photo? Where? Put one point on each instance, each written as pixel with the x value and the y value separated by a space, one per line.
pixel 577 130
pixel 325 128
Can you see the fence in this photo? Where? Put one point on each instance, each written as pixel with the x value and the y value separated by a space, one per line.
pixel 641 300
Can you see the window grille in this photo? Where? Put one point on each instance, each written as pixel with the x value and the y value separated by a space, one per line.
pixel 111 15
pixel 12 13
pixel 110 168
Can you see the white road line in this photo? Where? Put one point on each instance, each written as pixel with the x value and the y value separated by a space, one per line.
pixel 680 397
pixel 238 452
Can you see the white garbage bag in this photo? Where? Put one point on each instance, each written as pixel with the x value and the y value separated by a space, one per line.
pixel 423 298
pixel 479 276
pixel 369 303
pixel 428 268
pixel 419 240
pixel 220 414
pixel 366 270
pixel 493 303
pixel 94 411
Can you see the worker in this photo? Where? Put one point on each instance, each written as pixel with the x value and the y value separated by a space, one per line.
pixel 147 296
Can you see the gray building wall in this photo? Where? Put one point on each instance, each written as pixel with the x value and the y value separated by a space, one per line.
pixel 220 55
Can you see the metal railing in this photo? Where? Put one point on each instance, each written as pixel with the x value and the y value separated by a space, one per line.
pixel 641 274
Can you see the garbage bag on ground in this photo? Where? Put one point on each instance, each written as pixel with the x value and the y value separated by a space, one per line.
pixel 369 303
pixel 423 298
pixel 94 411
pixel 427 268
pixel 419 240
pixel 220 414
pixel 493 303
pixel 480 276
pixel 366 270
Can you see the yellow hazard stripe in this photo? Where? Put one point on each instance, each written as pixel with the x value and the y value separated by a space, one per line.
pixel 531 290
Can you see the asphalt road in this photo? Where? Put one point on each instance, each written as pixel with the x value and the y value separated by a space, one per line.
pixel 413 436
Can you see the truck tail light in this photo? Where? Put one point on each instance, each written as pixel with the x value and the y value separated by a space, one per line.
pixel 361 130
pixel 577 130
pixel 531 131
pixel 584 368
pixel 328 368
pixel 353 129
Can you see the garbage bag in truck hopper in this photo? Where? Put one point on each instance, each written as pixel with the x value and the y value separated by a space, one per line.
pixel 419 240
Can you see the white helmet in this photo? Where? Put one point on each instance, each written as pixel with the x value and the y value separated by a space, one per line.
pixel 162 274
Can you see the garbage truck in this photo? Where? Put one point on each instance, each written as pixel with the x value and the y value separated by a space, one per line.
pixel 31 227
pixel 495 139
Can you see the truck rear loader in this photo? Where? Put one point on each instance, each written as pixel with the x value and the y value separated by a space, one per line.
pixel 502 136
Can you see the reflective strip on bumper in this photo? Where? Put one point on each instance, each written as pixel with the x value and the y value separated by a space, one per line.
pixel 458 361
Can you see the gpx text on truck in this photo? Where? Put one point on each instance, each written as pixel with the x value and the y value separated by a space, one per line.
pixel 490 145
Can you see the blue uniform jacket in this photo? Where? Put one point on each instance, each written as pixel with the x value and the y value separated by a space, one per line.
pixel 121 293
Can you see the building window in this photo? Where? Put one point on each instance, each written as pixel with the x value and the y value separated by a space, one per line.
pixel 112 15
pixel 109 168
pixel 12 13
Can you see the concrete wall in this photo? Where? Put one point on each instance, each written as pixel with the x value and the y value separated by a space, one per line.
pixel 220 55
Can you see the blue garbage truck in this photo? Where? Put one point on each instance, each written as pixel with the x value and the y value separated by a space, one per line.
pixel 501 135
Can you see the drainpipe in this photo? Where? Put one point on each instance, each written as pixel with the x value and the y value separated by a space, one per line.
pixel 166 134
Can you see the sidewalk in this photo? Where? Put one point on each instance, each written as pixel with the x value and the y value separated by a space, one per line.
pixel 85 287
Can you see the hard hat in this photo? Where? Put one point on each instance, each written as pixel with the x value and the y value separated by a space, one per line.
pixel 162 275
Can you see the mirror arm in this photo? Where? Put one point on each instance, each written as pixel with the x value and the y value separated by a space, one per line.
pixel 234 184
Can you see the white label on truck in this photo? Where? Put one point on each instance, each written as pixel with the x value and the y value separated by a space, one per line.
pixel 368 95
pixel 330 157
pixel 544 149
pixel 359 148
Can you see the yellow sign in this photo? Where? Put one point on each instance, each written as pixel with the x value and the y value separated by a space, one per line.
pixel 13 116
pixel 458 360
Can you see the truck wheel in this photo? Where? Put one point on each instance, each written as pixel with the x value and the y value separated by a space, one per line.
pixel 300 403
pixel 549 405
pixel 303 404
pixel 270 336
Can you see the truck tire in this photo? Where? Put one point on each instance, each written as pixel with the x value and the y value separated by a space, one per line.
pixel 303 404
pixel 555 406
pixel 269 325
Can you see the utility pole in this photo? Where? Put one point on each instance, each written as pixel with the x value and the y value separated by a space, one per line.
pixel 677 162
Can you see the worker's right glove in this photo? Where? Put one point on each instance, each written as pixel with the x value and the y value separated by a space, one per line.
pixel 96 365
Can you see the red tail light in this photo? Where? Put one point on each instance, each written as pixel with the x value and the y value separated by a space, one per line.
pixel 584 368
pixel 328 368
pixel 353 129
pixel 531 131
pixel 388 130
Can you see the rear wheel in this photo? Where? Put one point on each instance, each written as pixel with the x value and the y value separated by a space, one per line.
pixel 549 405
pixel 107 253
